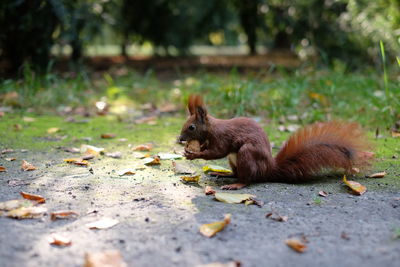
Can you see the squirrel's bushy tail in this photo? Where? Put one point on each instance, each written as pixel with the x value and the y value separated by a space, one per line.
pixel 329 145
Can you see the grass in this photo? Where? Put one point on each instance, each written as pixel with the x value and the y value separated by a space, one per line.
pixel 311 95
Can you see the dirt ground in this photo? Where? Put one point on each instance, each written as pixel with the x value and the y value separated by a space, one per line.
pixel 159 219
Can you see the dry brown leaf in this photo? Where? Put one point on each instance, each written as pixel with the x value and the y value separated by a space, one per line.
pixel 208 190
pixel 322 193
pixel 220 264
pixel 296 245
pixel 378 175
pixel 28 119
pixel 108 136
pixel 16 182
pixel 108 258
pixel 6 151
pixel 114 155
pixel 152 161
pixel 27 212
pixel 63 214
pixel 37 198
pixel 103 223
pixel 357 188
pixel 81 163
pixel 10 159
pixel 3 169
pixel 191 179
pixel 193 146
pixel 88 157
pixel 92 150
pixel 211 229
pixel 276 217
pixel 144 147
pixel 26 166
pixel 59 240
pixel 72 160
pixel 395 134
pixel 126 172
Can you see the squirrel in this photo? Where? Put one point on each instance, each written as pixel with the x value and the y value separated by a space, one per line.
pixel 328 145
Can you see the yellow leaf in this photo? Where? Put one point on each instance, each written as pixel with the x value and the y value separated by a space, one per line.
pixel 296 245
pixel 191 179
pixel 215 168
pixel 92 150
pixel 357 188
pixel 232 198
pixel 26 212
pixel 211 229
pixel 53 130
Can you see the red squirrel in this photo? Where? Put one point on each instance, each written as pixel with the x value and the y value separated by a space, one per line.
pixel 328 145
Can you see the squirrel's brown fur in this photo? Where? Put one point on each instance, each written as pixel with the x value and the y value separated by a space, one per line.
pixel 328 145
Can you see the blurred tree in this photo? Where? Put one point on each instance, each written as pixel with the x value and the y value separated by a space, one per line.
pixel 26 32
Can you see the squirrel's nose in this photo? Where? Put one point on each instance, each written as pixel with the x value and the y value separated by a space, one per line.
pixel 181 139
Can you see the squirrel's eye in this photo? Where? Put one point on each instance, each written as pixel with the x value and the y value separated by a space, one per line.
pixel 192 127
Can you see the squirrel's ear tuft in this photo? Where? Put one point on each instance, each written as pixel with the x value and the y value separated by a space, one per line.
pixel 191 104
pixel 200 109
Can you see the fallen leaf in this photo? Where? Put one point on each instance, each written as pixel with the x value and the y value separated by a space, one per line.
pixel 193 146
pixel 106 258
pixel 53 130
pixel 6 151
pixel 88 149
pixel 215 168
pixel 126 172
pixel 15 204
pixel 145 147
pixel 103 223
pixel 88 156
pixel 17 127
pixel 72 160
pixel 191 179
pixel 17 182
pixel 208 190
pixel 323 193
pixel 378 175
pixel 63 214
pixel 26 166
pixel 108 136
pixel 59 240
pixel 151 161
pixel 357 188
pixel 182 168
pixel 73 150
pixel 27 212
pixel 254 201
pixel 276 217
pixel 220 264
pixel 395 134
pixel 139 155
pixel 81 163
pixel 3 169
pixel 211 229
pixel 114 155
pixel 320 98
pixel 28 119
pixel 165 156
pixel 233 198
pixel 37 198
pixel 10 159
pixel 296 245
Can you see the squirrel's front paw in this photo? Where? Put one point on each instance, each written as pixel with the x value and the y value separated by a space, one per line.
pixel 191 155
